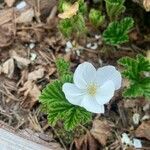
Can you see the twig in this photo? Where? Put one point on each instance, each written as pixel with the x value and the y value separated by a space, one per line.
pixel 61 141
pixel 122 115
pixel 8 95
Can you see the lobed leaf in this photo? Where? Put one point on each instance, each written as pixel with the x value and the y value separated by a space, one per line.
pixel 96 17
pixel 137 71
pixel 117 31
pixel 114 8
pixel 58 108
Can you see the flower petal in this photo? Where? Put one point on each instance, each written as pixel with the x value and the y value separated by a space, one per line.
pixel 109 73
pixel 105 93
pixel 73 94
pixel 90 104
pixel 84 74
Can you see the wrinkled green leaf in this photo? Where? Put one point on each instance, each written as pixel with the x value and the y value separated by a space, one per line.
pixel 59 109
pixel 117 31
pixel 136 71
pixel 63 67
pixel 96 17
pixel 114 8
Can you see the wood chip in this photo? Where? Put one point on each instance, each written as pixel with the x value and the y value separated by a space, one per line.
pixel 6 15
pixel 8 68
pixel 25 16
pixel 11 141
pixel 146 4
pixel 36 74
pixel 21 62
pixel 10 2
pixel 101 130
pixel 6 37
pixel 87 142
pixel 31 94
pixel 143 131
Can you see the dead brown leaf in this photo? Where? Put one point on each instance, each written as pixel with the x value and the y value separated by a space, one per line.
pixel 10 2
pixel 140 102
pixel 34 123
pixel 70 11
pixel 25 16
pixel 6 15
pixel 31 94
pixel 8 68
pixel 24 36
pixel 146 4
pixel 101 130
pixel 21 62
pixel 36 74
pixel 7 27
pixel 87 142
pixel 44 6
pixel 143 131
pixel 6 37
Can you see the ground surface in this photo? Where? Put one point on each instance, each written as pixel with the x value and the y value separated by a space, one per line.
pixel 28 50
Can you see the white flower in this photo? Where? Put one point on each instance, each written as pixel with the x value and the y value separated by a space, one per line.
pixel 92 88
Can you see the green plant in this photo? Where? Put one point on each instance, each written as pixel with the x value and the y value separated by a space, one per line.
pixel 57 106
pixel 96 17
pixel 73 18
pixel 82 7
pixel 63 67
pixel 137 71
pixel 72 25
pixel 117 31
pixel 114 8
pixel 63 5
pixel 65 26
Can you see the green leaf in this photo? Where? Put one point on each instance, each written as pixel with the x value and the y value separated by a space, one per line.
pixel 82 7
pixel 145 85
pixel 133 91
pixel 66 27
pixel 74 25
pixel 63 67
pixel 114 8
pixel 117 32
pixel 138 72
pixel 96 17
pixel 59 109
pixel 78 24
pixel 63 5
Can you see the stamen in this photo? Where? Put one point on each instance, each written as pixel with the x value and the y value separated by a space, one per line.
pixel 92 88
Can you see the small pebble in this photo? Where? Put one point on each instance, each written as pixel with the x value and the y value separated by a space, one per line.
pixel 94 46
pixel 33 56
pixel 136 118
pixel 78 52
pixel 146 107
pixel 97 36
pixel 89 45
pixel 31 45
pixel 21 5
pixel 146 117
pixel 126 140
pixel 69 45
pixel 137 143
pixel 67 50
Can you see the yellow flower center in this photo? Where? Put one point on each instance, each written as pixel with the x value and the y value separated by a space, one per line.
pixel 92 88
